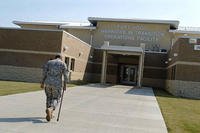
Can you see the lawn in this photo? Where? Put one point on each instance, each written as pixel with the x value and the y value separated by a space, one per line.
pixel 181 115
pixel 11 87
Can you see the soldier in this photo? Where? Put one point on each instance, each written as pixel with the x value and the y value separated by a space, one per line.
pixel 53 72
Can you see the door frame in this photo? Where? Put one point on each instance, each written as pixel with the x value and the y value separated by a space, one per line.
pixel 121 72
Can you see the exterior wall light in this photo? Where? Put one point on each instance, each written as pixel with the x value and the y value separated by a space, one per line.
pixel 166 62
pixel 106 43
pixel 65 48
pixel 80 53
pixel 169 59
pixel 142 45
pixel 175 54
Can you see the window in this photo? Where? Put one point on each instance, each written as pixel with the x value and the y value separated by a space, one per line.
pixel 173 73
pixel 67 61
pixel 72 64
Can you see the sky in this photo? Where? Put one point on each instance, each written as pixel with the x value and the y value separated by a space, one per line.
pixel 186 11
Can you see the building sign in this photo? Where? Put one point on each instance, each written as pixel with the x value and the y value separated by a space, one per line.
pixel 196 47
pixel 127 32
pixel 193 40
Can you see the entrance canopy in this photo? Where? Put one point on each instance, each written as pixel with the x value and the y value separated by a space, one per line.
pixel 124 50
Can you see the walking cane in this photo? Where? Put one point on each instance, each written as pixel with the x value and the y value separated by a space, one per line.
pixel 60 105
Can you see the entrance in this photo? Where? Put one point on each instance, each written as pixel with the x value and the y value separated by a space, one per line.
pixel 128 74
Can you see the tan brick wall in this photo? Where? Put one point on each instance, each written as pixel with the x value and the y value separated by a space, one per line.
pixel 34 40
pixel 155 59
pixel 20 73
pixel 175 49
pixel 188 73
pixel 94 77
pixel 39 26
pixel 28 49
pixel 75 47
pixel 163 39
pixel 154 67
pixel 185 72
pixel 78 50
pixel 112 79
pixel 187 62
pixel 24 51
pixel 183 88
pixel 154 73
pixel 24 59
pixel 185 51
pixel 153 82
pixel 77 76
pixel 83 34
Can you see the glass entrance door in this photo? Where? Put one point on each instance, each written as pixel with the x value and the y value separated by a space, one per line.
pixel 128 74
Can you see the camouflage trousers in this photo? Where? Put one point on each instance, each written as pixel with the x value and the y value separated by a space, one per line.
pixel 52 96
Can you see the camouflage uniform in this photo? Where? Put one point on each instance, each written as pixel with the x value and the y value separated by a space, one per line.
pixel 52 78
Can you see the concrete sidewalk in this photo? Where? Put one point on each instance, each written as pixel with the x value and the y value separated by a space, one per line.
pixel 86 109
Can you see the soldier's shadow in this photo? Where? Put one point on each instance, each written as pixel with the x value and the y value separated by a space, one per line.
pixel 24 119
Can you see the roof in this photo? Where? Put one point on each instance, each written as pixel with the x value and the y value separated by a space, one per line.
pixel 39 23
pixel 16 28
pixel 77 27
pixel 184 31
pixel 52 23
pixel 188 28
pixel 62 25
pixel 93 21
pixel 173 23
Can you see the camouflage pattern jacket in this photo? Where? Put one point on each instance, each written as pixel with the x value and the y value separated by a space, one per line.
pixel 53 71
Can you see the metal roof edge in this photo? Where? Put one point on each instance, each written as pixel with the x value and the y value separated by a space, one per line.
pixel 39 23
pixel 174 23
pixel 17 28
pixel 79 27
pixel 182 31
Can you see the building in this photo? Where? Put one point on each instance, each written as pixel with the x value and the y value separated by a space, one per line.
pixel 23 53
pixel 108 50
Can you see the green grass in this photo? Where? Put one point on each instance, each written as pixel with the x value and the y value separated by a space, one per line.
pixel 181 115
pixel 12 87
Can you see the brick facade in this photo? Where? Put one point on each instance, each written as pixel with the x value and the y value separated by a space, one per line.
pixel 183 70
pixel 170 61
pixel 23 53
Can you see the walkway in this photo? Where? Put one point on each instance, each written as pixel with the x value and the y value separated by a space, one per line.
pixel 86 109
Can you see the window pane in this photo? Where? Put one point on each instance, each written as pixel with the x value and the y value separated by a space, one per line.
pixel 72 64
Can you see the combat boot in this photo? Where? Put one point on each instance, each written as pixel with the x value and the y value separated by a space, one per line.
pixel 49 112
